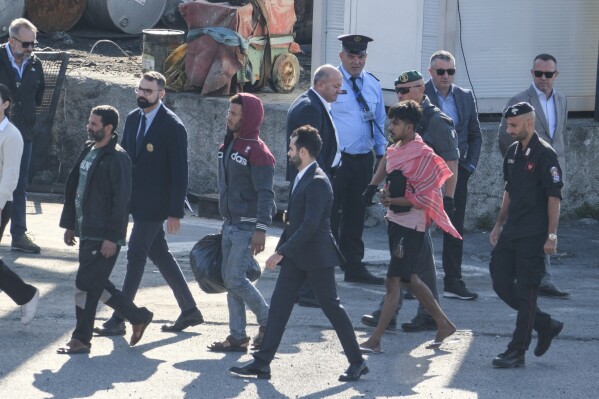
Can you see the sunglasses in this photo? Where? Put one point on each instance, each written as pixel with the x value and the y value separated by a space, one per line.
pixel 404 90
pixel 548 75
pixel 26 44
pixel 441 71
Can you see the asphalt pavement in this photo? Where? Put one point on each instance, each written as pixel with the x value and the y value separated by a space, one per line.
pixel 310 359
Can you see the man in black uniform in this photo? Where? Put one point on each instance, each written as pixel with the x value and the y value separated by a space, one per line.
pixel 524 232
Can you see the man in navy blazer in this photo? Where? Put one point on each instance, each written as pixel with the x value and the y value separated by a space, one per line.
pixel 156 141
pixel 306 251
pixel 460 106
pixel 314 108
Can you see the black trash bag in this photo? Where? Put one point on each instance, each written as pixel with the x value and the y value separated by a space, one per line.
pixel 206 260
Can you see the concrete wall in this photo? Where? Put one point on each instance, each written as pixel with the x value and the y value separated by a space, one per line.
pixel 205 121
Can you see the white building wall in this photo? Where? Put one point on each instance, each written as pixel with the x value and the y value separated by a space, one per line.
pixel 499 41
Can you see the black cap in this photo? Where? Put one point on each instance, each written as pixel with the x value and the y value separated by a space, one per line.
pixel 518 109
pixel 355 44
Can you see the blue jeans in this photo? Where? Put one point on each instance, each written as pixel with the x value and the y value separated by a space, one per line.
pixel 147 241
pixel 18 224
pixel 240 291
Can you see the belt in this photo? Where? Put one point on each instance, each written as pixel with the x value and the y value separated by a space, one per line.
pixel 355 156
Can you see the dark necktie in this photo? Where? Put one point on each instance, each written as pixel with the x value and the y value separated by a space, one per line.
pixel 141 134
pixel 354 84
pixel 361 100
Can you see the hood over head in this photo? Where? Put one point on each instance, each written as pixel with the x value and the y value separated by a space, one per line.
pixel 253 115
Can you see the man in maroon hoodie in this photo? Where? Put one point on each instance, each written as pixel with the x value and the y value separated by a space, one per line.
pixel 245 177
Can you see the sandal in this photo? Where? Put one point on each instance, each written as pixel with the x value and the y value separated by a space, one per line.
pixel 259 338
pixel 68 349
pixel 231 344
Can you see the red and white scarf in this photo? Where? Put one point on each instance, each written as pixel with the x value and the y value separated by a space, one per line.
pixel 425 172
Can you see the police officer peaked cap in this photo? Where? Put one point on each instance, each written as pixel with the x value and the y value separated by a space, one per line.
pixel 355 44
pixel 518 109
pixel 408 76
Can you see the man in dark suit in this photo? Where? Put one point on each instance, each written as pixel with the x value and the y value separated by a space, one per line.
pixel 551 116
pixel 459 105
pixel 156 141
pixel 313 108
pixel 306 251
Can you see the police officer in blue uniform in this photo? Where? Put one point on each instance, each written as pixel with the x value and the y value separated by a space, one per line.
pixel 526 230
pixel 359 117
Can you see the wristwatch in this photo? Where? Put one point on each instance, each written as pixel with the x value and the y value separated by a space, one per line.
pixel 552 236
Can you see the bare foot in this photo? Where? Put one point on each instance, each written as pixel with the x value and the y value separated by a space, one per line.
pixel 444 331
pixel 370 346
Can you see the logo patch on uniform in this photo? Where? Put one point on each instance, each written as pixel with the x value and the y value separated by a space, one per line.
pixel 555 174
pixel 247 149
pixel 530 166
pixel 403 78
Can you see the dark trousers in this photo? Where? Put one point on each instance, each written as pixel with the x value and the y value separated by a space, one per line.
pixel 148 241
pixel 453 247
pixel 19 291
pixel 516 269
pixel 347 214
pixel 92 286
pixel 281 304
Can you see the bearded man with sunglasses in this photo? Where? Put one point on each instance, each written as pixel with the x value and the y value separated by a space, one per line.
pixel 551 116
pixel 460 106
pixel 21 71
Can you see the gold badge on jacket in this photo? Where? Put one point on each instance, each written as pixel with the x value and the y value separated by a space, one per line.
pixel 150 147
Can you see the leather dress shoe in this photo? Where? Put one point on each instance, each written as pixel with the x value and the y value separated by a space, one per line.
pixel 419 323
pixel 111 328
pixel 545 338
pixel 362 275
pixel 139 329
pixel 372 320
pixel 184 321
pixel 551 291
pixel 509 359
pixel 250 369
pixel 354 372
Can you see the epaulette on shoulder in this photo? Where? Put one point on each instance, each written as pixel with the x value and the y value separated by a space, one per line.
pixel 371 74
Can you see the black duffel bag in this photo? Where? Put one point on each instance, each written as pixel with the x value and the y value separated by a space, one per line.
pixel 206 261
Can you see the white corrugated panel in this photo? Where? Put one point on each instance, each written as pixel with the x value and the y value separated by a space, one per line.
pixel 430 34
pixel 501 38
pixel 396 47
pixel 335 27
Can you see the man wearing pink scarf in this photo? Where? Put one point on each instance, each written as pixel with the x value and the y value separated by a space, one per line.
pixel 415 175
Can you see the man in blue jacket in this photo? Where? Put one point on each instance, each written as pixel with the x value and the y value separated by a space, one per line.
pixel 460 106
pixel 96 210
pixel 156 141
